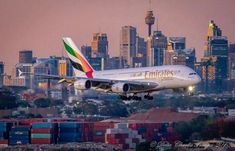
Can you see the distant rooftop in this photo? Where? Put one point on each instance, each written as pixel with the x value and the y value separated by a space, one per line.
pixel 161 115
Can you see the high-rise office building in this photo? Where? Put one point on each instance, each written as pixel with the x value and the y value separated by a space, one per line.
pixel 169 53
pixel 26 56
pixel 177 43
pixel 215 59
pixel 159 44
pixel 65 67
pixel 140 46
pixel 27 69
pixel 149 52
pixel 113 63
pixel 99 45
pixel 97 63
pixel 86 51
pixel 231 61
pixel 184 57
pixel 140 59
pixel 128 44
pixel 45 66
pixel 62 67
pixel 1 73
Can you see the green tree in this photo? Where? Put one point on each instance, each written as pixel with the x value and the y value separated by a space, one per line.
pixel 42 102
pixel 145 146
pixel 7 100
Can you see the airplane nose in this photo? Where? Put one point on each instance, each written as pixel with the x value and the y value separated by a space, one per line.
pixel 197 79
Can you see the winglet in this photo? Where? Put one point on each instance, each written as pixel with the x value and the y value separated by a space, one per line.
pixel 20 72
pixel 77 59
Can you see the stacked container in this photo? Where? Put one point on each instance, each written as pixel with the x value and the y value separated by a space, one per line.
pixel 4 129
pixel 123 136
pixel 43 133
pixel 100 130
pixel 87 131
pixel 147 130
pixel 19 135
pixel 69 132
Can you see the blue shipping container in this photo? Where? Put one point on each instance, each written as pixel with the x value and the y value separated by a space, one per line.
pixel 69 125
pixel 19 133
pixel 69 130
pixel 19 137
pixel 21 128
pixel 70 135
pixel 18 141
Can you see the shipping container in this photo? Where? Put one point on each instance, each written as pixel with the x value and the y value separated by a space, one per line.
pixel 18 142
pixel 41 136
pixel 20 128
pixel 42 131
pixel 41 141
pixel 43 125
pixel 69 125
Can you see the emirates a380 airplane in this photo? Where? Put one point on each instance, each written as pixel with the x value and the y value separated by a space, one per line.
pixel 127 82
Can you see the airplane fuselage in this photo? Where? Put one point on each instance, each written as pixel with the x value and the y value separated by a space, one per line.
pixel 167 76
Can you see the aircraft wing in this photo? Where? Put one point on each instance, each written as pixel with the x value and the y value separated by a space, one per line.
pixel 106 85
pixel 68 79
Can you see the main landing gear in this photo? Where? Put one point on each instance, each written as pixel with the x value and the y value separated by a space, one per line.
pixel 135 97
pixel 148 97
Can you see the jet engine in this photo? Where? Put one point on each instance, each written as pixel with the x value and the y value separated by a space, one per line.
pixel 82 84
pixel 120 88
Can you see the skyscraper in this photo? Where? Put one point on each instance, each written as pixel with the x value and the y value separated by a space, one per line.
pixel 99 45
pixel 184 57
pixel 140 46
pixel 169 53
pixel 159 44
pixel 26 56
pixel 149 52
pixel 140 59
pixel 86 51
pixel 215 59
pixel 177 43
pixel 128 44
pixel 231 61
pixel 1 73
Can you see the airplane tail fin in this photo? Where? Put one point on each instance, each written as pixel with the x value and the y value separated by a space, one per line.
pixel 76 57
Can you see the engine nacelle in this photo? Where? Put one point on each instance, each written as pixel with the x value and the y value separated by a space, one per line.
pixel 120 88
pixel 82 84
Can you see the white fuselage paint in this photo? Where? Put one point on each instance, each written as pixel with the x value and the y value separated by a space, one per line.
pixel 167 77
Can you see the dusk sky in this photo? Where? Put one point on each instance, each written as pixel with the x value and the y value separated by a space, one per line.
pixel 40 24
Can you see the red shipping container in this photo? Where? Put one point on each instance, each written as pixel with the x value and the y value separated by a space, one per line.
pixel 106 125
pixel 41 141
pixel 4 141
pixel 98 139
pixel 42 131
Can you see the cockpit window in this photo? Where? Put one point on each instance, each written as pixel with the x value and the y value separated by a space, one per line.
pixel 193 73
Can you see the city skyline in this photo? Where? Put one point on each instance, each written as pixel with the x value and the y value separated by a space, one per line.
pixel 40 25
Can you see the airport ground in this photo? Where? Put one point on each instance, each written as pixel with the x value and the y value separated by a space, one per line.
pixel 213 110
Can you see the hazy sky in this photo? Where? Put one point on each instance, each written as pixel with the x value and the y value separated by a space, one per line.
pixel 40 24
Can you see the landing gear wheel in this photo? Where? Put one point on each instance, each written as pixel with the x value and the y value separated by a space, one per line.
pixel 148 97
pixel 123 97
